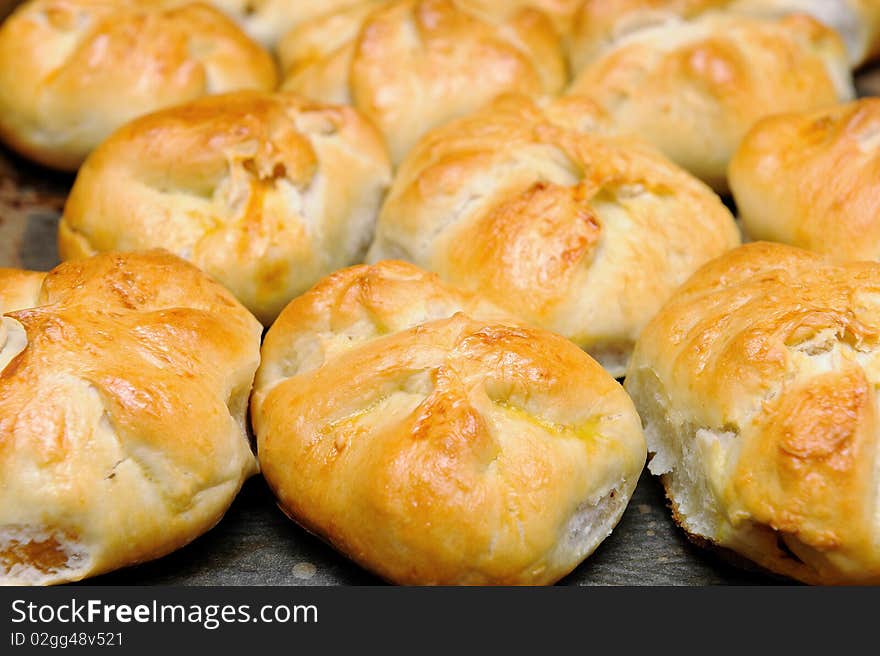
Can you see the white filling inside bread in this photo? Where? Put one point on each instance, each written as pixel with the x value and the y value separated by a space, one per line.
pixel 683 455
pixel 13 340
pixel 592 522
pixel 35 555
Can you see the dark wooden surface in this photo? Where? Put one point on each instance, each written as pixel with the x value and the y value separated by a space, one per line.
pixel 255 543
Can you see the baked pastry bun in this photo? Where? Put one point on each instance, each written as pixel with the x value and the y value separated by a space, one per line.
pixel 433 441
pixel 72 71
pixel 124 382
pixel 410 65
pixel 694 88
pixel 813 180
pixel 579 233
pixel 266 192
pixel 756 385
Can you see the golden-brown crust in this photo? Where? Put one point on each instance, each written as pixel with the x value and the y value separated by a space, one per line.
pixel 123 384
pixel 265 192
pixel 778 349
pixel 813 180
pixel 434 445
pixel 410 65
pixel 72 71
pixel 568 229
pixel 725 554
pixel 693 89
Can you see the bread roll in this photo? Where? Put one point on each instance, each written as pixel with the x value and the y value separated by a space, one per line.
pixel 124 381
pixel 72 71
pixel 265 192
pixel 756 384
pixel 575 232
pixel 410 65
pixel 693 89
pixel 432 440
pixel 599 23
pixel 813 180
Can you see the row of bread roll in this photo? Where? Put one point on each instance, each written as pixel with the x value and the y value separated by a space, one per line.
pixel 593 232
pixel 692 85
pixel 417 428
pixel 428 434
pixel 577 232
pixel 71 71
